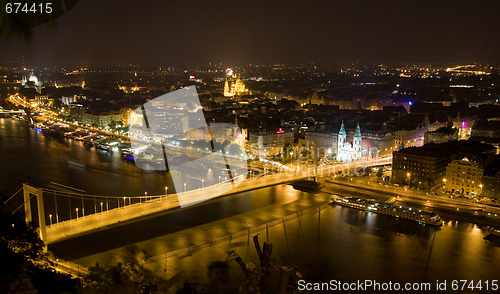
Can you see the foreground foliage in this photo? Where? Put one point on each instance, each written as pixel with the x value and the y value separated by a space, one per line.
pixel 25 267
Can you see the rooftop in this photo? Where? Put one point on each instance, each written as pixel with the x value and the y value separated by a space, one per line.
pixel 449 148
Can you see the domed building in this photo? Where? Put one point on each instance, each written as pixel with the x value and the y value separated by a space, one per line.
pixel 32 81
pixel 234 85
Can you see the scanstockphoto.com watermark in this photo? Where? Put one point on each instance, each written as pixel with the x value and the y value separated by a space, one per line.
pixel 373 285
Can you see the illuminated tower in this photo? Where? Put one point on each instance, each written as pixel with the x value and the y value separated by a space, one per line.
pixel 341 138
pixel 229 84
pixel 356 144
pixel 227 90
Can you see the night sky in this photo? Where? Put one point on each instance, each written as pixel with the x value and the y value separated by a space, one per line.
pixel 241 32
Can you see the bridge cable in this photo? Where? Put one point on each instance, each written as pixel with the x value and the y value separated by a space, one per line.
pixel 12 197
pixel 79 195
pixel 33 195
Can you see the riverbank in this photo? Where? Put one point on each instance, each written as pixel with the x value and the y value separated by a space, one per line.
pixel 456 211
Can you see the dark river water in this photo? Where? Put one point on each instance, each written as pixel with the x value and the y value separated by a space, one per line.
pixel 325 243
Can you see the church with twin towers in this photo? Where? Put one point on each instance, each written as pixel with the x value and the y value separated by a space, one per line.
pixel 346 151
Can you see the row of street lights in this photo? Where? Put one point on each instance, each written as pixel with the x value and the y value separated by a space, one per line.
pixel 130 201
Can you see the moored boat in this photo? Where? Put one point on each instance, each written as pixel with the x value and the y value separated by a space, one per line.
pixel 493 231
pixel 407 213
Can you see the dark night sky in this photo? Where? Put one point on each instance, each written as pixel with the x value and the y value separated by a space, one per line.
pixel 270 31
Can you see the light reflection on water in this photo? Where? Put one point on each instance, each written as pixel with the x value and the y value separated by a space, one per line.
pixel 345 244
pixel 27 155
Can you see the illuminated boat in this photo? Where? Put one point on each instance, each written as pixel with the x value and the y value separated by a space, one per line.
pixel 88 144
pixel 102 146
pixel 493 231
pixel 423 217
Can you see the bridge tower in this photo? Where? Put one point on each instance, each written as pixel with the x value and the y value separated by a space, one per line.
pixel 27 192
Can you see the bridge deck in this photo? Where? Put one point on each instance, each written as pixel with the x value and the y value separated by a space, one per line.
pixel 102 220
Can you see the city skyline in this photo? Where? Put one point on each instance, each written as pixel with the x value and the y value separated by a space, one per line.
pixel 146 144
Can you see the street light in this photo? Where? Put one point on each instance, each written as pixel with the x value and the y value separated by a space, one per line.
pixel 184 187
pixel 202 182
pixel 76 213
pixel 50 216
pixel 101 206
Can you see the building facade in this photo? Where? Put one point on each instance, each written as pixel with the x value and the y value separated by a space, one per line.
pixel 101 120
pixel 234 85
pixel 325 137
pixel 426 166
pixel 463 176
pixel 345 151
pixel 410 138
pixel 414 166
pixel 271 139
pixel 441 135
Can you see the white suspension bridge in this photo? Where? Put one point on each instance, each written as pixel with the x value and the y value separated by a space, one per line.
pixel 64 215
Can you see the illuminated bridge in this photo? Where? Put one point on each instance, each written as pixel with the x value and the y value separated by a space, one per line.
pixel 64 215
pixel 17 100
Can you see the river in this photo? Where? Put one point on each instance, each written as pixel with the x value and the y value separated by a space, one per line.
pixel 327 242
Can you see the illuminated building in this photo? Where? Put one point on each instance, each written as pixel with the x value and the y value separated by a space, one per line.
pixel 168 123
pixel 441 135
pixel 345 151
pixel 32 81
pixel 325 136
pixel 101 120
pixel 419 165
pixel 271 139
pixel 367 143
pixel 234 85
pixel 464 126
pixel 128 89
pixel 68 100
pixel 41 101
pixel 104 119
pixel 463 176
pixel 410 138
pixel 427 166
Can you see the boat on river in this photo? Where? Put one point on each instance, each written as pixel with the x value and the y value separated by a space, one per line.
pixel 423 217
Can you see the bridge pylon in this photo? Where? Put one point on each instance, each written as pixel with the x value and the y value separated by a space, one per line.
pixel 28 191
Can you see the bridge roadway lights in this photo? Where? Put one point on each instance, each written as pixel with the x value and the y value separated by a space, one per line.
pixel 90 222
